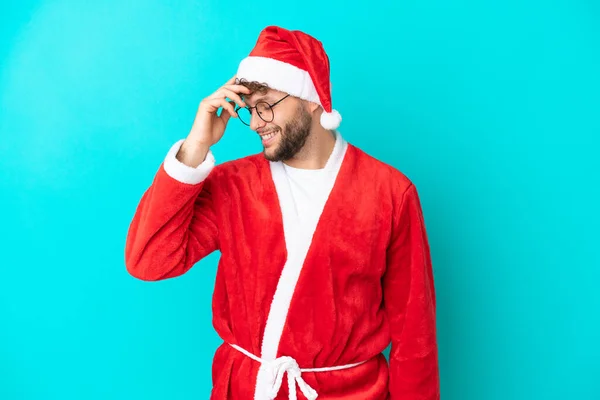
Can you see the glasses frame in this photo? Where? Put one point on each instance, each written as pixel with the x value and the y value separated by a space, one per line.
pixel 271 106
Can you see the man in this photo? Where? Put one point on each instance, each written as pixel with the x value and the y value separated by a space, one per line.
pixel 324 254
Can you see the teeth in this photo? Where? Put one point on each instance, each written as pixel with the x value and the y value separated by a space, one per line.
pixel 268 136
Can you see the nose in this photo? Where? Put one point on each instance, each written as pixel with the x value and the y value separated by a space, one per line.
pixel 256 122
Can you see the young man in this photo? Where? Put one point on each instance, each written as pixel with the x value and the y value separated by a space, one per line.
pixel 324 254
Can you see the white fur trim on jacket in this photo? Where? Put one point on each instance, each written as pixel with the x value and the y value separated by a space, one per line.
pixel 184 173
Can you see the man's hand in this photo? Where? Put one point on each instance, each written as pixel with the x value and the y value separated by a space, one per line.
pixel 208 127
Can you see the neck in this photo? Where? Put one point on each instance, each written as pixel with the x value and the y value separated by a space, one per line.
pixel 316 151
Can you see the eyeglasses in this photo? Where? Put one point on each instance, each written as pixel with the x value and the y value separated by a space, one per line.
pixel 263 109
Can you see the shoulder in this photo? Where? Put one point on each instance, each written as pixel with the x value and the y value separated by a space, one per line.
pixel 245 167
pixel 380 172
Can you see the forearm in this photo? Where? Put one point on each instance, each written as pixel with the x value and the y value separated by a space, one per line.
pixel 410 305
pixel 174 224
pixel 192 153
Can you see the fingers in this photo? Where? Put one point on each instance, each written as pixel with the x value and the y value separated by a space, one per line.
pixel 219 98
pixel 226 113
pixel 238 88
pixel 228 106
pixel 211 106
pixel 234 88
pixel 233 92
pixel 223 92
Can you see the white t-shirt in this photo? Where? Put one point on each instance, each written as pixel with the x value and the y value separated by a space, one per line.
pixel 307 185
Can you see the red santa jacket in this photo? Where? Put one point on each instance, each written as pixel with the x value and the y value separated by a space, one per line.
pixel 334 288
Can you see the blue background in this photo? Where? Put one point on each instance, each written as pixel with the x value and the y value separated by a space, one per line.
pixel 491 108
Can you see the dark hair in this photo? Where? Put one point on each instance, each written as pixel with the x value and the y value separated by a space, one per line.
pixel 253 86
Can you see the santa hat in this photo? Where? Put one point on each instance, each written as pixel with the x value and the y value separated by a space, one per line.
pixel 295 63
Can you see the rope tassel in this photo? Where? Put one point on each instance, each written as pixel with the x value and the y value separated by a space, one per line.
pixel 287 365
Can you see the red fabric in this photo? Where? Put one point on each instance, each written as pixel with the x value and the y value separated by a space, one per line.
pixel 300 50
pixel 367 279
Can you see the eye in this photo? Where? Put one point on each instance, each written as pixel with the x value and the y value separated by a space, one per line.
pixel 262 108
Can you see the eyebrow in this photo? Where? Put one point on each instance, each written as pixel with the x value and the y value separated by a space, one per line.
pixel 264 97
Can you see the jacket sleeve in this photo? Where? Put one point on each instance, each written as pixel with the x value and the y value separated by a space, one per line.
pixel 174 225
pixel 409 301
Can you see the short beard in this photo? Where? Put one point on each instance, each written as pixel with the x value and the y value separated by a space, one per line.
pixel 293 137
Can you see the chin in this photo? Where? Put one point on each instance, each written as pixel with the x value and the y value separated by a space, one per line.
pixel 270 154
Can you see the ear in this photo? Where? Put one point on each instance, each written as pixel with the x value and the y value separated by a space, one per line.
pixel 312 106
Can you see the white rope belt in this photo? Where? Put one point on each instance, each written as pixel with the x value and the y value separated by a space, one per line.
pixel 288 365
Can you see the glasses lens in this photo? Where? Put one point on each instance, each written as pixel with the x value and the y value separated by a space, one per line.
pixel 264 110
pixel 244 115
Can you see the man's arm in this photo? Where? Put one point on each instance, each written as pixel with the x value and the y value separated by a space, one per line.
pixel 409 301
pixel 174 225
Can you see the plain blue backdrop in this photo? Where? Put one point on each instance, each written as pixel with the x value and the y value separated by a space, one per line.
pixel 491 108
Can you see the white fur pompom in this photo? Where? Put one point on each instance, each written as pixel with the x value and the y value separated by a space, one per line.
pixel 331 120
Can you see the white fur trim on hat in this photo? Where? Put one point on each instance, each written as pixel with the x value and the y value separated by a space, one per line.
pixel 287 78
pixel 279 76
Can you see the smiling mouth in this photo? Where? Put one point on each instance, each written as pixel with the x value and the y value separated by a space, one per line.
pixel 268 138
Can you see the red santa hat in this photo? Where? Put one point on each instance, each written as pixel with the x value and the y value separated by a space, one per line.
pixel 292 62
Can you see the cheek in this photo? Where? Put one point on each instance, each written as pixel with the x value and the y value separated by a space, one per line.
pixel 282 120
pixel 284 116
pixel 275 125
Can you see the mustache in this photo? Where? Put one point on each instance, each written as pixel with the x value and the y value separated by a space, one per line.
pixel 269 131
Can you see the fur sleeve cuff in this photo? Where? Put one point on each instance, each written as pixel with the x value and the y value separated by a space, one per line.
pixel 184 173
